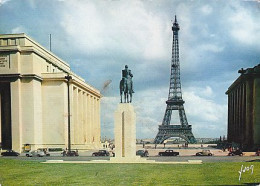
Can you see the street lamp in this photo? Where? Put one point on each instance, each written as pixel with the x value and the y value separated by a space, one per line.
pixel 68 78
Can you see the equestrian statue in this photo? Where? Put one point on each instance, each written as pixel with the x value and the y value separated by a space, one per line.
pixel 126 85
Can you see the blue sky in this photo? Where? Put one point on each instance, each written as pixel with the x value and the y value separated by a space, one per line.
pixel 97 38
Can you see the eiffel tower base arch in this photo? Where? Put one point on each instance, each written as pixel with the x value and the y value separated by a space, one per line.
pixel 169 131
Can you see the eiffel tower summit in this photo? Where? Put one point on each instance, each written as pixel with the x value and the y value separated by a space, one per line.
pixel 175 101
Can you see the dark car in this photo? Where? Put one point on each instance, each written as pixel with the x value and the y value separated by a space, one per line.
pixel 142 153
pixel 101 153
pixel 204 153
pixel 236 152
pixel 169 153
pixel 10 153
pixel 71 153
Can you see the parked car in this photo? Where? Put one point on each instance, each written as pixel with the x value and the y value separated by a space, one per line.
pixel 204 153
pixel 71 153
pixel 10 153
pixel 46 152
pixel 101 153
pixel 236 152
pixel 142 153
pixel 35 153
pixel 168 153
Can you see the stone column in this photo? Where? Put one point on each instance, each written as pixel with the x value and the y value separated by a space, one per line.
pixel 80 118
pixel 77 116
pixel 256 108
pixel 88 119
pixel 85 124
pixel 66 114
pixel 95 119
pixel 31 109
pixel 249 111
pixel 74 115
pixel 37 89
pixel 91 119
pixel 16 115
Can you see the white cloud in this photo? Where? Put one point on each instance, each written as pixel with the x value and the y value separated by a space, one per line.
pixel 3 2
pixel 205 92
pixel 19 29
pixel 206 9
pixel 108 107
pixel 245 27
pixel 208 91
pixel 207 117
pixel 122 27
pixel 212 130
pixel 205 109
pixel 211 48
pixel 146 127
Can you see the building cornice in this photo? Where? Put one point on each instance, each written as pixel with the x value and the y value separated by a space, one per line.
pixel 242 78
pixel 33 76
pixel 14 77
pixel 37 45
pixel 73 81
pixel 10 48
pixel 90 89
pixel 9 77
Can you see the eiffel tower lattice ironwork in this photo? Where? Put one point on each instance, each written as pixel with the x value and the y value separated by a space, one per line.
pixel 175 101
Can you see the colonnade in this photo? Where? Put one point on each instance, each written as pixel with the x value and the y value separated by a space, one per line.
pixel 237 110
pixel 85 127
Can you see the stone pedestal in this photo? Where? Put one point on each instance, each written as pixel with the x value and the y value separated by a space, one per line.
pixel 125 135
pixel 125 131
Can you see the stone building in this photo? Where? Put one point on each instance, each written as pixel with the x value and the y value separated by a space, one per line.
pixel 34 99
pixel 244 109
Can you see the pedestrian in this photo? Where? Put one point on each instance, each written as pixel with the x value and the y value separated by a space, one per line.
pixel 64 152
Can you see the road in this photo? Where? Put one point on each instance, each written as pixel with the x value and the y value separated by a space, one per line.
pixel 156 158
pixel 185 155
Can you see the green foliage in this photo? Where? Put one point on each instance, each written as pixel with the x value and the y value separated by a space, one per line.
pixel 24 172
pixel 55 149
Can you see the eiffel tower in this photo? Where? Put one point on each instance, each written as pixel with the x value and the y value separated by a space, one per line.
pixel 175 101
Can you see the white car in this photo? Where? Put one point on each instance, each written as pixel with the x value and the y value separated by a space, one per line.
pixel 35 153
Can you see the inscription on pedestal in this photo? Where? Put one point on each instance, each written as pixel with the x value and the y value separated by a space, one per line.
pixel 4 61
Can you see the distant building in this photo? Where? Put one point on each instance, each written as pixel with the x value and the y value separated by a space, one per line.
pixel 244 109
pixel 34 99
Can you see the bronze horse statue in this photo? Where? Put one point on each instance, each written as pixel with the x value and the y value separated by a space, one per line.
pixel 126 88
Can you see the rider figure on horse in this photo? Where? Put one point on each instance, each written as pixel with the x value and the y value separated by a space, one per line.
pixel 127 75
pixel 126 85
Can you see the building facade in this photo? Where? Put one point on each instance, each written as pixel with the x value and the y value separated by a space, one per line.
pixel 34 99
pixel 244 109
